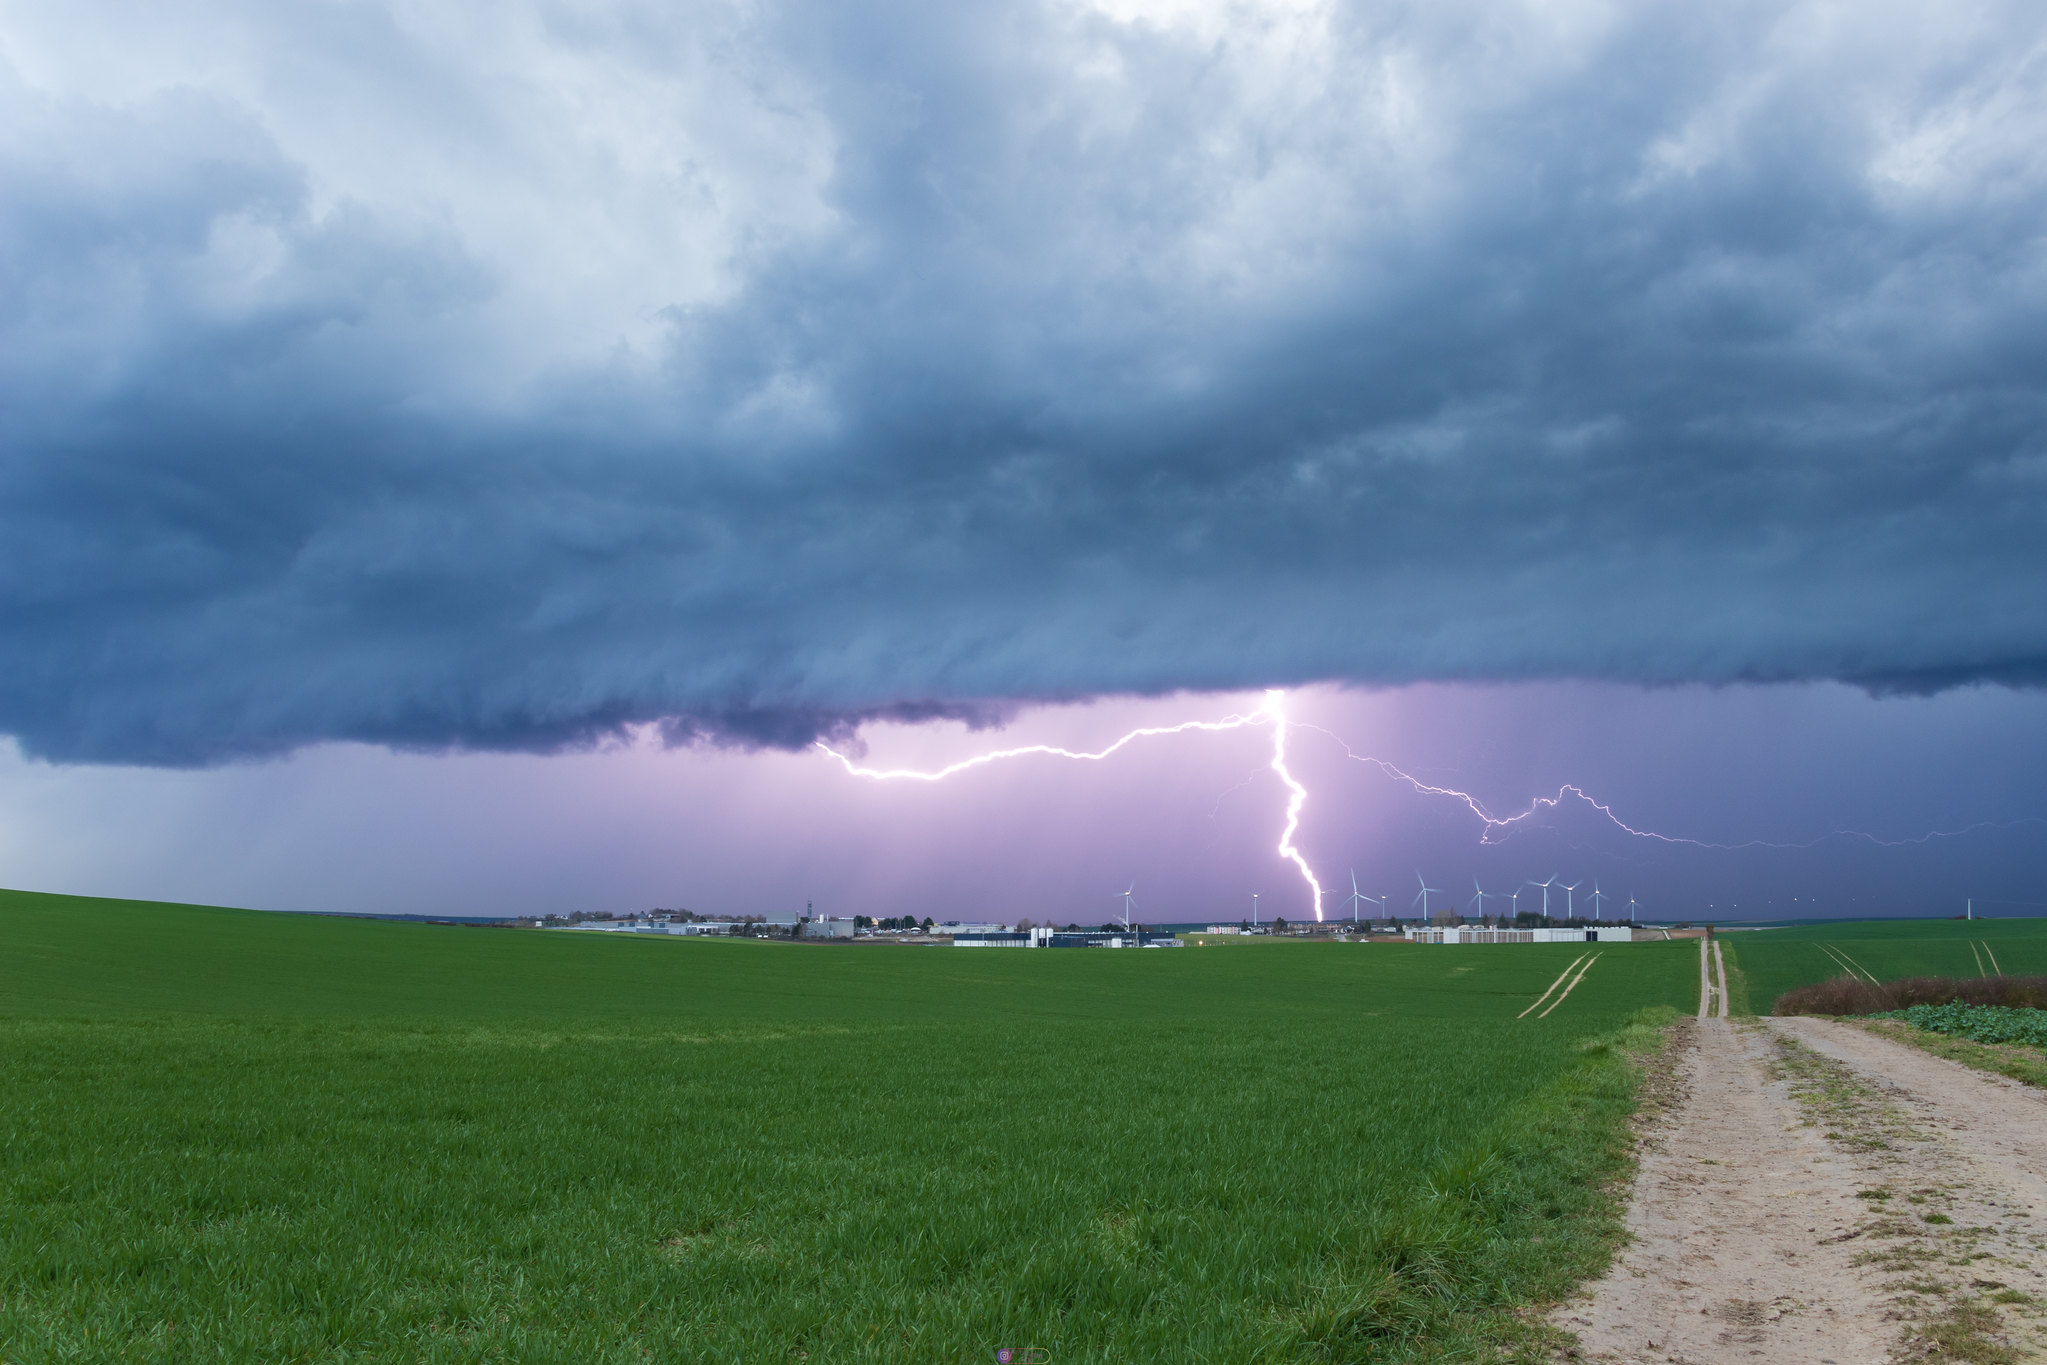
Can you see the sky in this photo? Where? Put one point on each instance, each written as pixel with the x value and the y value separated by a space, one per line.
pixel 468 456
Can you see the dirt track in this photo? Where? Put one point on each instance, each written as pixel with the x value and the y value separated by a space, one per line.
pixel 1816 1193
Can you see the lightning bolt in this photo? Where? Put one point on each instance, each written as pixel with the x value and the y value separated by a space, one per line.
pixel 1497 828
pixel 1297 796
pixel 1272 713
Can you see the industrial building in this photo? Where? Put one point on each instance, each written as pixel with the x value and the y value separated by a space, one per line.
pixel 1045 936
pixel 1469 933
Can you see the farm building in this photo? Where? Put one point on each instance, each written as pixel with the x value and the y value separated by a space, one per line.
pixel 1044 936
pixel 1001 938
pixel 1466 933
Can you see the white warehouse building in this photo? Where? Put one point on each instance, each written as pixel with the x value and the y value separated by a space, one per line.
pixel 1469 933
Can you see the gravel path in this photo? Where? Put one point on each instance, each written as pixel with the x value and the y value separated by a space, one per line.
pixel 1814 1192
pixel 1742 1242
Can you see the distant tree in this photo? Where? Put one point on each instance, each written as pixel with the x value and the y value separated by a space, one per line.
pixel 1279 925
pixel 927 924
pixel 1446 918
pixel 1023 926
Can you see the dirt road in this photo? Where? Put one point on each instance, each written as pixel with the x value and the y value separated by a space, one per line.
pixel 1815 1193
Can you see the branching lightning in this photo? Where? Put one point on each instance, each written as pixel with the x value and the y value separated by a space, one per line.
pixel 1497 828
pixel 1272 713
pixel 978 760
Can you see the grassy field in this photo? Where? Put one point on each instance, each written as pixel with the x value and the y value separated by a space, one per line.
pixel 1772 961
pixel 243 1137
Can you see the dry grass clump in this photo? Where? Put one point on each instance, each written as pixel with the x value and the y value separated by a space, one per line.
pixel 1846 995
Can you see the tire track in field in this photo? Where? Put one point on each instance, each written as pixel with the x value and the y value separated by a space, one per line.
pixel 1572 987
pixel 1552 986
pixel 1855 970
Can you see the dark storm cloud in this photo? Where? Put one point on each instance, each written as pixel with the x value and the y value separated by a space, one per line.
pixel 431 379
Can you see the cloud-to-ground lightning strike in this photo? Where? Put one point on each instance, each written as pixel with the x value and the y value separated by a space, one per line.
pixel 1273 712
pixel 1297 795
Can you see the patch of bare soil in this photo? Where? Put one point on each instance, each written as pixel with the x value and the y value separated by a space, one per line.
pixel 1964 1185
pixel 1745 1229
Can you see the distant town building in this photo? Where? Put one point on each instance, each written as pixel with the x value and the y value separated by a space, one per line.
pixel 828 928
pixel 1475 934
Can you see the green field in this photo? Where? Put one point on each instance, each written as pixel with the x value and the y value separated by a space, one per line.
pixel 236 1136
pixel 1773 961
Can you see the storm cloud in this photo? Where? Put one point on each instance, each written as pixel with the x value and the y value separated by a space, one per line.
pixel 504 377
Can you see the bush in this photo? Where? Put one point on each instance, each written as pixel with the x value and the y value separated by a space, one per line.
pixel 1984 1023
pixel 1845 995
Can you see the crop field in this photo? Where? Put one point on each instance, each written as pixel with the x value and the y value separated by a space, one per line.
pixel 231 1136
pixel 1772 961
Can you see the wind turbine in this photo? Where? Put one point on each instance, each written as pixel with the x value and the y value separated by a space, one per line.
pixel 1631 909
pixel 1355 896
pixel 1545 893
pixel 1254 909
pixel 1129 903
pixel 1570 909
pixel 1597 897
pixel 1426 891
pixel 1477 903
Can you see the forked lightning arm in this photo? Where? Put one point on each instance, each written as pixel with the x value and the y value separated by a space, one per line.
pixel 1273 712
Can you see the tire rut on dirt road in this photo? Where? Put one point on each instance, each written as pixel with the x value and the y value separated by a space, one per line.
pixel 1820 1193
pixel 1739 1229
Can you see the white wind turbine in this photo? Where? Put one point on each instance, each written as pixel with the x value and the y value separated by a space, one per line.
pixel 1477 903
pixel 1545 893
pixel 1571 909
pixel 1356 896
pixel 1129 904
pixel 1598 897
pixel 1426 892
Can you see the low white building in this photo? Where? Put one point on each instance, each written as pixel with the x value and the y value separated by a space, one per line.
pixel 1039 937
pixel 1472 933
pixel 689 928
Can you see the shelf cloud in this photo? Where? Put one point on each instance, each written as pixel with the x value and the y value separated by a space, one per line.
pixel 508 376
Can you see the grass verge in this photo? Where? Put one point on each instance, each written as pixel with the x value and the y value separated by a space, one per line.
pixel 1738 1005
pixel 1513 1222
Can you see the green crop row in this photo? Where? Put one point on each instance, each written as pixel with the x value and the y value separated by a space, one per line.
pixel 1983 1023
